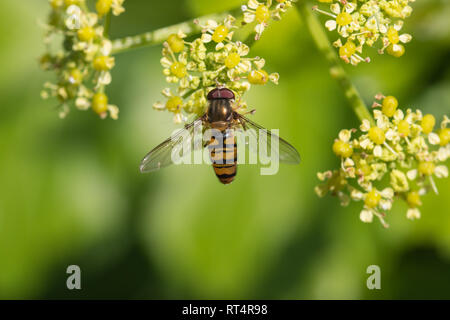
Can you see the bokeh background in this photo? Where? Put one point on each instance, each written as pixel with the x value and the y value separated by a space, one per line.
pixel 71 193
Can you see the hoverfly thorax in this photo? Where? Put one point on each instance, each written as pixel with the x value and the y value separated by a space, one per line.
pixel 220 107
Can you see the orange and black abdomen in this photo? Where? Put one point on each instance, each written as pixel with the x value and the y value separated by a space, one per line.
pixel 223 152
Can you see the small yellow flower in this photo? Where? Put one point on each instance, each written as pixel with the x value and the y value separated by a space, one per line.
pixel 389 106
pixel 103 63
pixel 444 136
pixel 263 12
pixel 377 135
pixel 342 149
pixel 178 69
pixel 174 104
pixel 403 128
pixel 413 199
pixel 219 33
pixel 176 43
pixel 86 34
pixel 426 168
pixel 100 103
pixel 428 123
pixel 104 6
pixel 258 77
pixel 347 50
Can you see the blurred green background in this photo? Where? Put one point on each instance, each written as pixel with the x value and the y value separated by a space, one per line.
pixel 71 193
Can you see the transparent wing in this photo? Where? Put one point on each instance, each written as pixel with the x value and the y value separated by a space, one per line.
pixel 286 152
pixel 161 156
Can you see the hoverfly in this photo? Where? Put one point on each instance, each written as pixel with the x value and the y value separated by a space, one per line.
pixel 221 115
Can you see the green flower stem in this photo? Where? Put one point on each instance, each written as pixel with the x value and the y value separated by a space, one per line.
pixel 107 24
pixel 158 36
pixel 336 69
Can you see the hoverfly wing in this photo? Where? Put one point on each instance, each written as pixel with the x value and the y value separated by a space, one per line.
pixel 286 152
pixel 161 156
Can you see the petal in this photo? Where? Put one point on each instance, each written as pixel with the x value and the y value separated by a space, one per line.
pixel 259 63
pixel 335 8
pixel 249 17
pixel 390 134
pixel 106 47
pixel 159 106
pixel 330 25
pixel 387 193
pixel 82 103
pixel 365 143
pixel 345 135
pixel 365 126
pixel 206 37
pixel 398 25
pixel 366 216
pixel 211 24
pixel 433 138
pixel 105 78
pixel 398 115
pixel 219 46
pixel 274 77
pixel 349 162
pixel 356 195
pixel 441 171
pixel 178 118
pixel 385 204
pixel 413 213
pixel 113 111
pixel 350 7
pixel 405 38
pixel 412 174
pixel 166 92
pixel 253 4
pixel 378 151
pixel 165 62
pixel 259 28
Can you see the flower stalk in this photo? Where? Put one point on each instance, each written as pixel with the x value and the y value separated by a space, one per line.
pixel 336 69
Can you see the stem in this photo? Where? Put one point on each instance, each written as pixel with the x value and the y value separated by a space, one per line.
pixel 158 36
pixel 107 24
pixel 336 69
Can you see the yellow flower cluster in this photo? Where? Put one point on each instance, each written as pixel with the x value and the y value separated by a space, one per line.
pixel 398 158
pixel 210 60
pixel 362 23
pixel 263 12
pixel 79 53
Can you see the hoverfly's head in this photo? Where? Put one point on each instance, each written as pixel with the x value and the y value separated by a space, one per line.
pixel 220 93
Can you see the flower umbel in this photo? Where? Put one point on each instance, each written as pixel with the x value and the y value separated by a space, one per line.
pixel 211 59
pixel 79 53
pixel 398 158
pixel 367 23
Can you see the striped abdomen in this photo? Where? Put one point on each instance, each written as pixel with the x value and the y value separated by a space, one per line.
pixel 223 152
